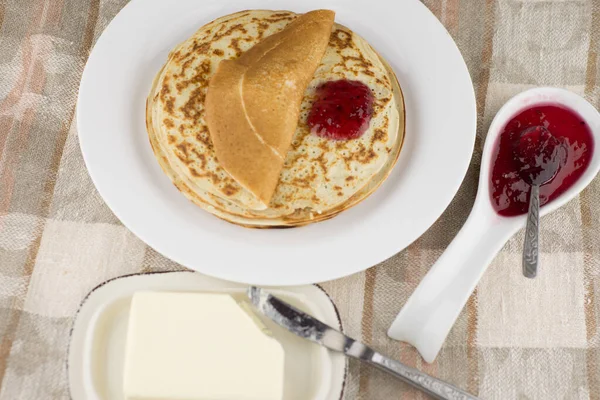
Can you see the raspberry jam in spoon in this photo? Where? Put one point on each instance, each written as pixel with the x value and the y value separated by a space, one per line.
pixel 342 110
pixel 548 144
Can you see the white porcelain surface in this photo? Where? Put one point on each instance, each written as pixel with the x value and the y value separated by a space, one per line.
pixel 96 351
pixel 440 130
pixel 432 309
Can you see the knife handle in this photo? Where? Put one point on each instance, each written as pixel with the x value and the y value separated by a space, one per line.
pixel 434 387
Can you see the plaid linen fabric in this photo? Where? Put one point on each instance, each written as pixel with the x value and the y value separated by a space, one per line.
pixel 516 338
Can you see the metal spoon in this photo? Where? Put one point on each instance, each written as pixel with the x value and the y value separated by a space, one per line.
pixel 540 155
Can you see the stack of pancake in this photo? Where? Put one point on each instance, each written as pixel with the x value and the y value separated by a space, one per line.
pixel 227 115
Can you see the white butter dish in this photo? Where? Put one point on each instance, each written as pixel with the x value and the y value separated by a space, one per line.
pixel 96 351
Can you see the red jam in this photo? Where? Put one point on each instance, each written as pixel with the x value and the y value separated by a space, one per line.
pixel 342 110
pixel 547 145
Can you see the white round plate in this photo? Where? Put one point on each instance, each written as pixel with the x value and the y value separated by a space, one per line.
pixel 440 134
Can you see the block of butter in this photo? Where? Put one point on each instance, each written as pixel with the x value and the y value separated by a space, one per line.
pixel 199 346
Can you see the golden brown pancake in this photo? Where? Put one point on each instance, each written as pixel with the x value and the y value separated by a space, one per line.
pixel 320 177
pixel 253 101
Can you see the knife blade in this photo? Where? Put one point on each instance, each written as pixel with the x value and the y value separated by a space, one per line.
pixel 310 328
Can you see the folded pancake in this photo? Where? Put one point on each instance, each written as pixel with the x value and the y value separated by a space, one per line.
pixel 253 102
pixel 319 177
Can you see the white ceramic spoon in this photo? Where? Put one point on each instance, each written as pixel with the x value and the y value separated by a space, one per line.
pixel 431 311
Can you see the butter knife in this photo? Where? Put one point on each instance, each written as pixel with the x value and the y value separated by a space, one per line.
pixel 307 327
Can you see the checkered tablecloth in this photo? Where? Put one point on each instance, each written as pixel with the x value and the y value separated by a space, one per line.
pixel 516 339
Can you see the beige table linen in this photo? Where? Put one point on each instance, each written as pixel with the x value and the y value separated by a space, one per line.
pixel 516 339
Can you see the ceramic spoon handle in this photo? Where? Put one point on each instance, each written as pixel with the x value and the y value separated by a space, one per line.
pixel 532 233
pixel 431 311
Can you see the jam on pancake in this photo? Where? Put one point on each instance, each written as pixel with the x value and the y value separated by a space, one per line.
pixel 342 110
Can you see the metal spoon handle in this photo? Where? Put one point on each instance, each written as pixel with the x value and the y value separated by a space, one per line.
pixel 436 388
pixel 532 233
